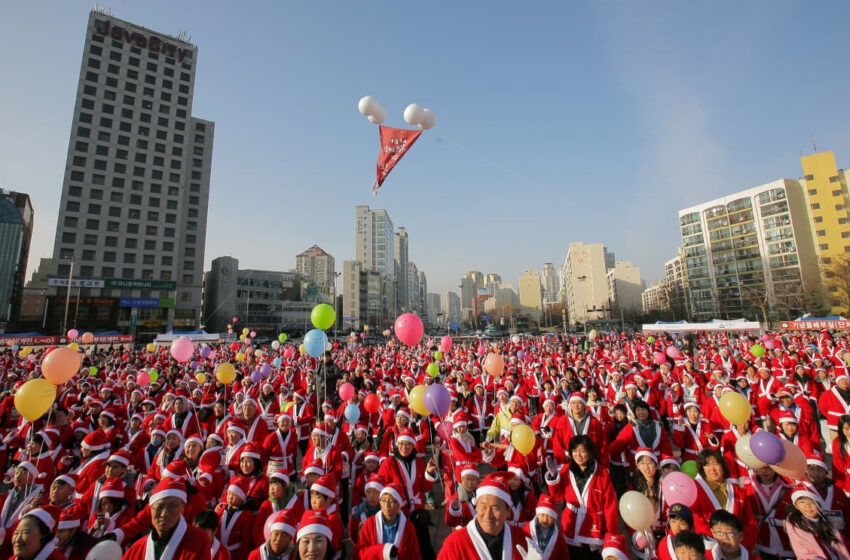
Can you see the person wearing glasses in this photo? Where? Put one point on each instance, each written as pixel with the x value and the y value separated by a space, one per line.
pixel 388 533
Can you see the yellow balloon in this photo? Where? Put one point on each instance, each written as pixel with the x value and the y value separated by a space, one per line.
pixel 202 378
pixel 151 347
pixel 27 350
pixel 245 331
pixel 229 326
pixel 240 357
pixel 241 337
pixel 417 400
pixel 302 350
pixel 735 407
pixel 522 438
pixel 74 346
pixel 225 373
pixel 34 398
pixel 366 327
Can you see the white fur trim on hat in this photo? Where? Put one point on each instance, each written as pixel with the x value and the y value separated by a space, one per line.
pixel 470 470
pixel 118 459
pixel 44 517
pixel 26 465
pixel 312 529
pixel 236 489
pixel 329 492
pixel 804 493
pixel 66 479
pixel 615 552
pixel 390 491
pixel 547 511
pixel 408 439
pixel 170 493
pixel 374 485
pixel 490 490
pixel 285 527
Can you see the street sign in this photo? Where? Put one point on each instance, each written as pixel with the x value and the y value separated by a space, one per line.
pixel 76 282
pixel 454 326
pixel 350 318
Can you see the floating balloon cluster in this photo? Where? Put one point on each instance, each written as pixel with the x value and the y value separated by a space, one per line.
pixel 414 114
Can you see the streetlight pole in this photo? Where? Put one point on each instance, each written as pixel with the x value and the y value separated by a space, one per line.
pixel 68 296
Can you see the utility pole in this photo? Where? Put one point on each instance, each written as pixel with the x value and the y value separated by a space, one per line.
pixel 68 296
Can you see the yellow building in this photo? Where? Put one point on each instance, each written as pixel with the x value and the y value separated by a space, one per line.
pixel 829 205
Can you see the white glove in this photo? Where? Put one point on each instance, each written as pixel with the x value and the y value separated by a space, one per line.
pixel 532 553
pixel 346 470
pixel 551 466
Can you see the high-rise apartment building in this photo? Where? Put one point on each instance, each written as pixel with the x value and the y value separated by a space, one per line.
pixel 743 248
pixel 16 222
pixel 414 301
pixel 400 247
pixel 585 281
pixel 451 307
pixel 317 264
pixel 467 294
pixel 531 293
pixel 423 293
pixel 551 283
pixel 829 204
pixel 375 240
pixel 133 208
pixel 625 288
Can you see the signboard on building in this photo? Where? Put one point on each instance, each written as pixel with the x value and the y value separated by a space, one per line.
pixel 76 282
pixel 131 284
pixel 483 292
pixel 146 302
pixel 454 326
pixel 60 340
pixel 837 325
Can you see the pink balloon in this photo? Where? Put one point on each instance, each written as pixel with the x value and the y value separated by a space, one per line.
pixel 267 526
pixel 679 488
pixel 182 349
pixel 253 334
pixel 445 344
pixel 659 358
pixel 409 329
pixel 769 344
pixel 445 430
pixel 73 333
pixel 346 391
pixel 143 378
pixel 673 352
pixel 288 352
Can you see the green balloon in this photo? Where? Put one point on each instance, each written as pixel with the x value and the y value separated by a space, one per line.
pixel 154 375
pixel 438 355
pixel 281 337
pixel 690 468
pixel 757 350
pixel 433 370
pixel 323 316
pixel 92 371
pixel 650 339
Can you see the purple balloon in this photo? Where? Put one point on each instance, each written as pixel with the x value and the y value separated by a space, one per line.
pixel 205 351
pixel 256 376
pixel 767 447
pixel 265 370
pixel 193 364
pixel 437 400
pixel 520 355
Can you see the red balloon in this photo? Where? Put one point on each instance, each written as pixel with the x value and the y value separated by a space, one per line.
pixel 336 346
pixel 234 346
pixel 372 403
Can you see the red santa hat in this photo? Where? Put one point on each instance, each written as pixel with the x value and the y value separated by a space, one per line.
pixel 816 458
pixel 47 516
pixel 120 457
pixel 691 404
pixel 615 545
pixel 645 452
pixel 194 439
pixel 578 396
pixel 325 485
pixel 169 488
pixel 70 518
pixel 281 475
pixel 495 484
pixel 668 460
pixel 238 486
pixel 406 435
pixel 403 411
pixel 314 521
pixel 252 451
pixel 545 504
pixel 236 425
pixel 95 441
pixel 69 479
pixel 314 468
pixel 803 491
pixel 113 488
pixel 395 491
pixel 375 482
pixel 789 417
pixel 470 470
pixel 285 521
pixel 29 467
pixel 461 419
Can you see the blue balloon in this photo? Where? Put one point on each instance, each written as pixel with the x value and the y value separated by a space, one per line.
pixel 15 347
pixel 352 413
pixel 315 343
pixel 277 362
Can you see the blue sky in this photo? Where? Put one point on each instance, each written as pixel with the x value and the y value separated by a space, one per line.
pixel 556 121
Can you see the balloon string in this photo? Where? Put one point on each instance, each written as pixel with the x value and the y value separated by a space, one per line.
pixel 47 422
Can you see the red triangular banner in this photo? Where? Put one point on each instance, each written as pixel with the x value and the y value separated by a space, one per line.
pixel 394 144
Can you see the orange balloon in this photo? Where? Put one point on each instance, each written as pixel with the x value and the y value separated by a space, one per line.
pixel 494 364
pixel 88 338
pixel 61 365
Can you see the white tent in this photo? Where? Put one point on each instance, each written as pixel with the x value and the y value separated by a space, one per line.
pixel 715 325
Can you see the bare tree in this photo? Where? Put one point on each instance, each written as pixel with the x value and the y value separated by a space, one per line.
pixel 836 272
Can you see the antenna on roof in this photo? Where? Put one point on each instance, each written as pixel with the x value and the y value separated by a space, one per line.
pixel 814 143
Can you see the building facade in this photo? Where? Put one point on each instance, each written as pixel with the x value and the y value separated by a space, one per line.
pixel 317 264
pixel 16 223
pixel 654 298
pixel 551 283
pixel 401 250
pixel 750 251
pixel 133 208
pixel 375 240
pixel 451 307
pixel 531 294
pixel 625 288
pixel 585 282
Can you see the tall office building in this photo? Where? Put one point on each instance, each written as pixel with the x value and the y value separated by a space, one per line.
pixel 375 240
pixel 551 283
pixel 585 281
pixel 477 280
pixel 423 293
pixel 317 264
pixel 434 309
pixel 750 245
pixel 451 307
pixel 467 294
pixel 16 220
pixel 400 250
pixel 133 210
pixel 414 302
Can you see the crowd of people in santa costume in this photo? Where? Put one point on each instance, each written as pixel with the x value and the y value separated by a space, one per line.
pixel 273 466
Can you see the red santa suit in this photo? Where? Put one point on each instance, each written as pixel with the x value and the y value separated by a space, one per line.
pixel 468 544
pixel 693 440
pixel 832 405
pixel 187 543
pixel 371 545
pixel 556 547
pixel 567 428
pixel 590 513
pixel 736 502
pixel 770 507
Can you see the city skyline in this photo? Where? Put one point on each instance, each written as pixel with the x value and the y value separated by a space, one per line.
pixel 682 128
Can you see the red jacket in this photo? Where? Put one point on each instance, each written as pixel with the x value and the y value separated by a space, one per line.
pixel 588 515
pixel 371 545
pixel 414 483
pixel 737 503
pixel 191 543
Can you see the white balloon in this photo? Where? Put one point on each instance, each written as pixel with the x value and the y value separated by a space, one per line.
pixel 368 105
pixel 379 116
pixel 107 550
pixel 275 344
pixel 428 119
pixel 414 114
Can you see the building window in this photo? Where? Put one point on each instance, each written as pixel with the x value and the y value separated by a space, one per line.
pixel 166 260
pixel 188 278
pixel 815 206
pixel 810 177
pixel 833 179
pixel 69 237
pixel 824 246
pixel 109 256
pixel 75 191
pixel 817 219
pixel 111 241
